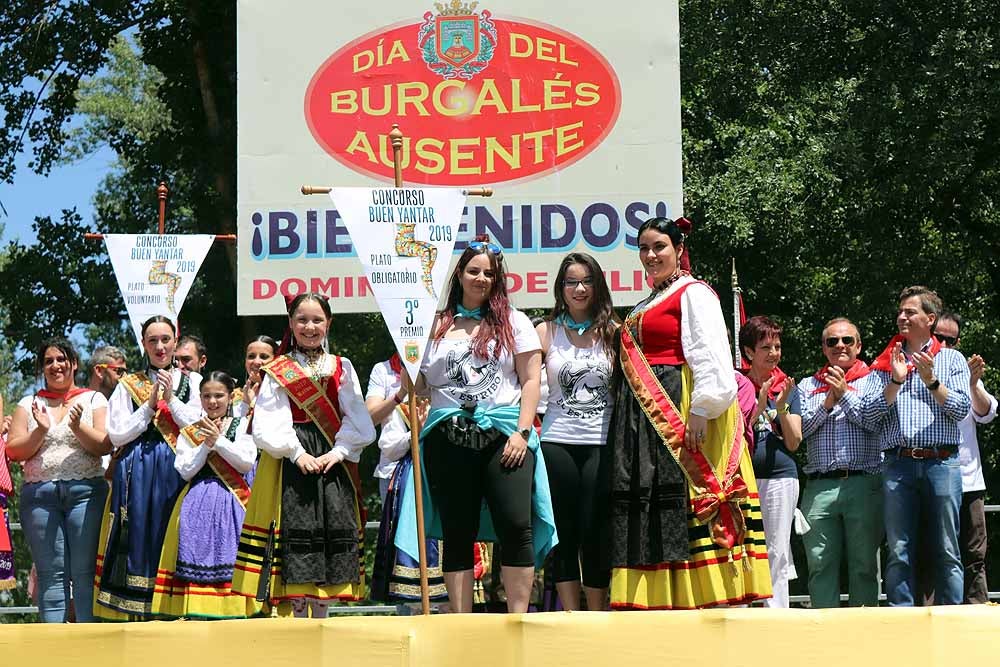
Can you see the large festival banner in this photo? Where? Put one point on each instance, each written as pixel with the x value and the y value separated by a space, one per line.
pixel 155 272
pixel 404 238
pixel 571 113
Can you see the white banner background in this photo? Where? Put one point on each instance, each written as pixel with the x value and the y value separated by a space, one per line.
pixel 352 70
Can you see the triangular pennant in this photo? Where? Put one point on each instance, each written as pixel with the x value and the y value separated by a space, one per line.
pixel 404 238
pixel 155 272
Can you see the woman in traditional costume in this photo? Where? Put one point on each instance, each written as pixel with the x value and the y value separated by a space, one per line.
pixel 216 456
pixel 259 351
pixel 146 413
pixel 777 426
pixel 483 372
pixel 685 516
pixel 58 436
pixel 396 576
pixel 301 542
pixel 577 340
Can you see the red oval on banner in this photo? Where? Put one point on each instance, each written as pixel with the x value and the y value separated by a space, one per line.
pixel 481 100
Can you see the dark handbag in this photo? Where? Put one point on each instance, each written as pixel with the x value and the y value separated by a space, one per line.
pixel 465 432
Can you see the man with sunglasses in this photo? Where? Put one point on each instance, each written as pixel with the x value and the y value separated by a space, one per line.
pixel 843 496
pixel 919 394
pixel 972 515
pixel 107 366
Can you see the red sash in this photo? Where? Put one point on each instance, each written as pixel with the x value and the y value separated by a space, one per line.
pixel 856 372
pixel 222 468
pixel 308 395
pixel 716 502
pixel 883 362
pixel 139 388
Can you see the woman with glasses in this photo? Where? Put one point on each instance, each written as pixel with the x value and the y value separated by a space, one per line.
pixel 578 340
pixel 145 415
pixel 482 370
pixel 685 522
pixel 58 436
pixel 777 428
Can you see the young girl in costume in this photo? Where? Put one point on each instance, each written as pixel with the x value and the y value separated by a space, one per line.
pixel 216 456
pixel 145 415
pixel 301 542
pixel 396 576
pixel 259 351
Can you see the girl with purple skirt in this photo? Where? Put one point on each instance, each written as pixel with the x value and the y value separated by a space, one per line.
pixel 217 458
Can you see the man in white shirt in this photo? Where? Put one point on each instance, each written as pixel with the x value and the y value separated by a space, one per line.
pixel 972 517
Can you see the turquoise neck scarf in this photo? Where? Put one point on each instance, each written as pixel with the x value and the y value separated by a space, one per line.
pixel 570 323
pixel 462 311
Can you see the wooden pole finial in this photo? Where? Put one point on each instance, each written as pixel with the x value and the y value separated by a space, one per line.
pixel 396 137
pixel 161 193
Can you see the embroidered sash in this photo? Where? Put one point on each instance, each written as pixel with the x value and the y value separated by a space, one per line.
pixel 308 394
pixel 139 388
pixel 716 498
pixel 222 468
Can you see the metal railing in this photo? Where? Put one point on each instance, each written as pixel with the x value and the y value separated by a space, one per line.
pixel 336 610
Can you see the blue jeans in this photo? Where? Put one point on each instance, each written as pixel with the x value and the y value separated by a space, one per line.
pixel 62 522
pixel 922 495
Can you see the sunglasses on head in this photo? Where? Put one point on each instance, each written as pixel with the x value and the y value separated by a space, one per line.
pixel 833 340
pixel 950 341
pixel 481 246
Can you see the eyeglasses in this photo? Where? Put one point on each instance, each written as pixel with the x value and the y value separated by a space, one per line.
pixel 833 340
pixel 572 283
pixel 479 246
pixel 950 341
pixel 118 370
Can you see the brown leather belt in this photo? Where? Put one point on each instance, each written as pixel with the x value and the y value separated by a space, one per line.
pixel 921 453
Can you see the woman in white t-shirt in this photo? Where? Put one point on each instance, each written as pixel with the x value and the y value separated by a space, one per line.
pixel 577 338
pixel 58 436
pixel 482 370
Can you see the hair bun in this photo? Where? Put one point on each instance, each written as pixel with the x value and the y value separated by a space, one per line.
pixel 684 225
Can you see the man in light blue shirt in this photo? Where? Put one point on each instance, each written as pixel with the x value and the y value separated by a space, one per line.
pixel 843 497
pixel 918 394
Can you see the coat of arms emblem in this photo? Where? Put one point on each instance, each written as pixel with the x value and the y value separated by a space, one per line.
pixel 457 42
pixel 412 351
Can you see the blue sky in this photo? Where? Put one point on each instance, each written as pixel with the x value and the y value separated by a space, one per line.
pixel 67 186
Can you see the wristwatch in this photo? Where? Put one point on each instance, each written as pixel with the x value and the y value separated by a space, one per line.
pixel 934 385
pixel 525 433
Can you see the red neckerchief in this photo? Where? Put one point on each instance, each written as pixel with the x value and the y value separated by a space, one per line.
pixel 883 361
pixel 776 386
pixel 855 372
pixel 396 364
pixel 64 396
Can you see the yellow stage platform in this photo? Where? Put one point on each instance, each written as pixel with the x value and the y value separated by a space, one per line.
pixel 845 638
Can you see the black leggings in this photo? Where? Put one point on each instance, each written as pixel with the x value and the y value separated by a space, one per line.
pixel 459 479
pixel 572 471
